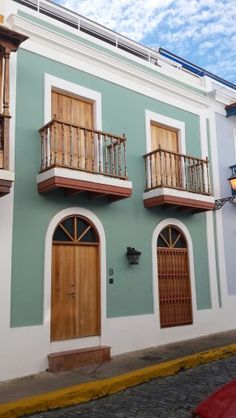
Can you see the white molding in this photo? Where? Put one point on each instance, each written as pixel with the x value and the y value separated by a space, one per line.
pixel 82 175
pixel 204 143
pixel 78 343
pixel 165 66
pixel 221 258
pixel 6 217
pixel 218 108
pixel 218 213
pixel 212 261
pixel 6 228
pixel 214 154
pixel 53 45
pixel 156 232
pixel 203 135
pixel 168 122
pixel 222 94
pixel 177 193
pixel 51 81
pixel 209 221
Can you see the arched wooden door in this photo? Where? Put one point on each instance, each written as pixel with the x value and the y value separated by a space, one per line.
pixel 75 295
pixel 175 300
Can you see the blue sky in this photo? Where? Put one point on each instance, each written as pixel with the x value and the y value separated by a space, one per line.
pixel 202 31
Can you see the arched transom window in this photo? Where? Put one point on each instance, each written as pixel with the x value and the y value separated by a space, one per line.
pixel 75 229
pixel 171 237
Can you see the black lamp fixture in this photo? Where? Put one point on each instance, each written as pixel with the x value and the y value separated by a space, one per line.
pixel 133 255
pixel 232 180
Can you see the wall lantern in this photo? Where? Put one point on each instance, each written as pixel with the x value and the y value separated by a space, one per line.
pixel 232 181
pixel 133 255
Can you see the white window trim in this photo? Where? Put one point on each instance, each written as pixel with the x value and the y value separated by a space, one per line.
pixel 51 82
pixel 65 86
pixel 169 123
pixel 156 232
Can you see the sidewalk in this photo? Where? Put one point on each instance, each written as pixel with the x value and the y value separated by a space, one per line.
pixel 47 390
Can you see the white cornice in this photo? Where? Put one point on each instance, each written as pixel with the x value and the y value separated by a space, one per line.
pixel 61 48
pixel 222 95
pixel 166 66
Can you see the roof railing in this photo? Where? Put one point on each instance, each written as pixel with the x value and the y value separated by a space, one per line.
pixel 85 25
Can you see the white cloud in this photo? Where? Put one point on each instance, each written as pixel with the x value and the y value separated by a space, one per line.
pixel 133 18
pixel 199 30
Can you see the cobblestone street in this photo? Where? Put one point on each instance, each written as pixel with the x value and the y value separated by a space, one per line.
pixel 170 397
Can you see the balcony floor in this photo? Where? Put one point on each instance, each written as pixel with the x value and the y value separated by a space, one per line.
pixel 75 182
pixel 178 199
pixel 5 187
pixel 6 179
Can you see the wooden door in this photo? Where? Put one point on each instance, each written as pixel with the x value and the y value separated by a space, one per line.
pixel 75 146
pixel 63 292
pixel 175 301
pixel 75 300
pixel 166 166
pixel 87 306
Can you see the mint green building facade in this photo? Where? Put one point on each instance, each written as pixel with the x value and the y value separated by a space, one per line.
pixel 125 222
pixel 131 95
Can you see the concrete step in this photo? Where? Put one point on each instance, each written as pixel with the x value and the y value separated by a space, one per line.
pixel 72 359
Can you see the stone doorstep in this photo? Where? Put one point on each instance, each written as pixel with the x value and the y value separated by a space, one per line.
pixel 72 359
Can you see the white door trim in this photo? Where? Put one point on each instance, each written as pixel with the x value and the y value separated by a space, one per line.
pixel 77 342
pixel 156 232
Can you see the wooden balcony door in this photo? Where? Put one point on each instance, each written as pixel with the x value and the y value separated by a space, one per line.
pixel 175 300
pixel 75 147
pixel 75 294
pixel 166 168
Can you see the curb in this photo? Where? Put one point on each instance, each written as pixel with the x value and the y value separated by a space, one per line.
pixel 86 392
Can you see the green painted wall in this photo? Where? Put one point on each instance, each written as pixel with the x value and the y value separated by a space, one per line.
pixel 126 223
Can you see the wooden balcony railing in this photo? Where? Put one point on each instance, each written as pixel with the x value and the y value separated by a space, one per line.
pixel 75 147
pixel 178 171
pixel 1 141
pixel 9 42
pixel 4 141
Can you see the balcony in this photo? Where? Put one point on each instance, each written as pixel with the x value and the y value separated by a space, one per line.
pixel 6 176
pixel 78 159
pixel 9 42
pixel 177 181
